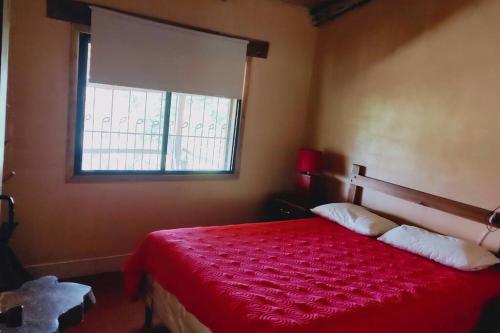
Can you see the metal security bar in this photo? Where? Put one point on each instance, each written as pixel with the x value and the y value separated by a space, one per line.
pixel 200 133
pixel 123 128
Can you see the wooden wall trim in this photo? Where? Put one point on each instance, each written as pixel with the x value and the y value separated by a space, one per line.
pixel 79 12
pixel 467 211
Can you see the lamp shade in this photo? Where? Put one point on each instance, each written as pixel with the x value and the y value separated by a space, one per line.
pixel 309 161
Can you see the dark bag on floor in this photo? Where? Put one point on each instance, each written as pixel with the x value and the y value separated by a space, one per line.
pixel 12 273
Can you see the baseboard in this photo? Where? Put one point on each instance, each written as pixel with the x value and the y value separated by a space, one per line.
pixel 80 267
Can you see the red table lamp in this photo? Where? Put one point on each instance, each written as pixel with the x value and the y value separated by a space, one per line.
pixel 309 165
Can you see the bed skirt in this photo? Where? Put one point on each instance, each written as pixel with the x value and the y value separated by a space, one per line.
pixel 171 313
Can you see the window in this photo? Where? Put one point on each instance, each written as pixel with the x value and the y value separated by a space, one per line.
pixel 122 130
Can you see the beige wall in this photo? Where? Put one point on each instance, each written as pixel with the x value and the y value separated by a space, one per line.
pixel 61 221
pixel 410 89
pixel 407 88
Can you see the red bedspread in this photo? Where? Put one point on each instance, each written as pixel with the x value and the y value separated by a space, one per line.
pixel 307 276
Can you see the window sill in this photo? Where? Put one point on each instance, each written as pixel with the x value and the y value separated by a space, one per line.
pixel 155 177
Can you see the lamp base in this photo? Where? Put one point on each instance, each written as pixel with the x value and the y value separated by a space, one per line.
pixel 309 185
pixel 304 182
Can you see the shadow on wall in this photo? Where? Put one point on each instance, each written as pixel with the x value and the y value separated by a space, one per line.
pixel 371 33
pixel 332 187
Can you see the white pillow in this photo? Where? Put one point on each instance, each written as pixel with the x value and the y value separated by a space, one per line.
pixel 355 218
pixel 446 250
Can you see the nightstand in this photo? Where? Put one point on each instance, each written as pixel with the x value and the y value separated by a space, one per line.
pixel 289 206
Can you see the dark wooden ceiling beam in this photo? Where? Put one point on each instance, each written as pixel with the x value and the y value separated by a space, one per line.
pixel 328 10
pixel 79 12
pixel 70 11
pixel 304 3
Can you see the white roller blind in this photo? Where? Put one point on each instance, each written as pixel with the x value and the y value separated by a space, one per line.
pixel 133 52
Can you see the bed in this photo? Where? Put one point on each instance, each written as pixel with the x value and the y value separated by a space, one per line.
pixel 308 275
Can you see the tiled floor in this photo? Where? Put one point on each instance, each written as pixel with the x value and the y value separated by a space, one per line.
pixel 113 312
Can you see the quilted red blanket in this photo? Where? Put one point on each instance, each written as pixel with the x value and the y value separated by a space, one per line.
pixel 307 276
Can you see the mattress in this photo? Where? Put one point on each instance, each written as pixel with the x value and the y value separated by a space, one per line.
pixel 307 275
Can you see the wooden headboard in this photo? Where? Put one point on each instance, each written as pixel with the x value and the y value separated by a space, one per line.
pixel 358 181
